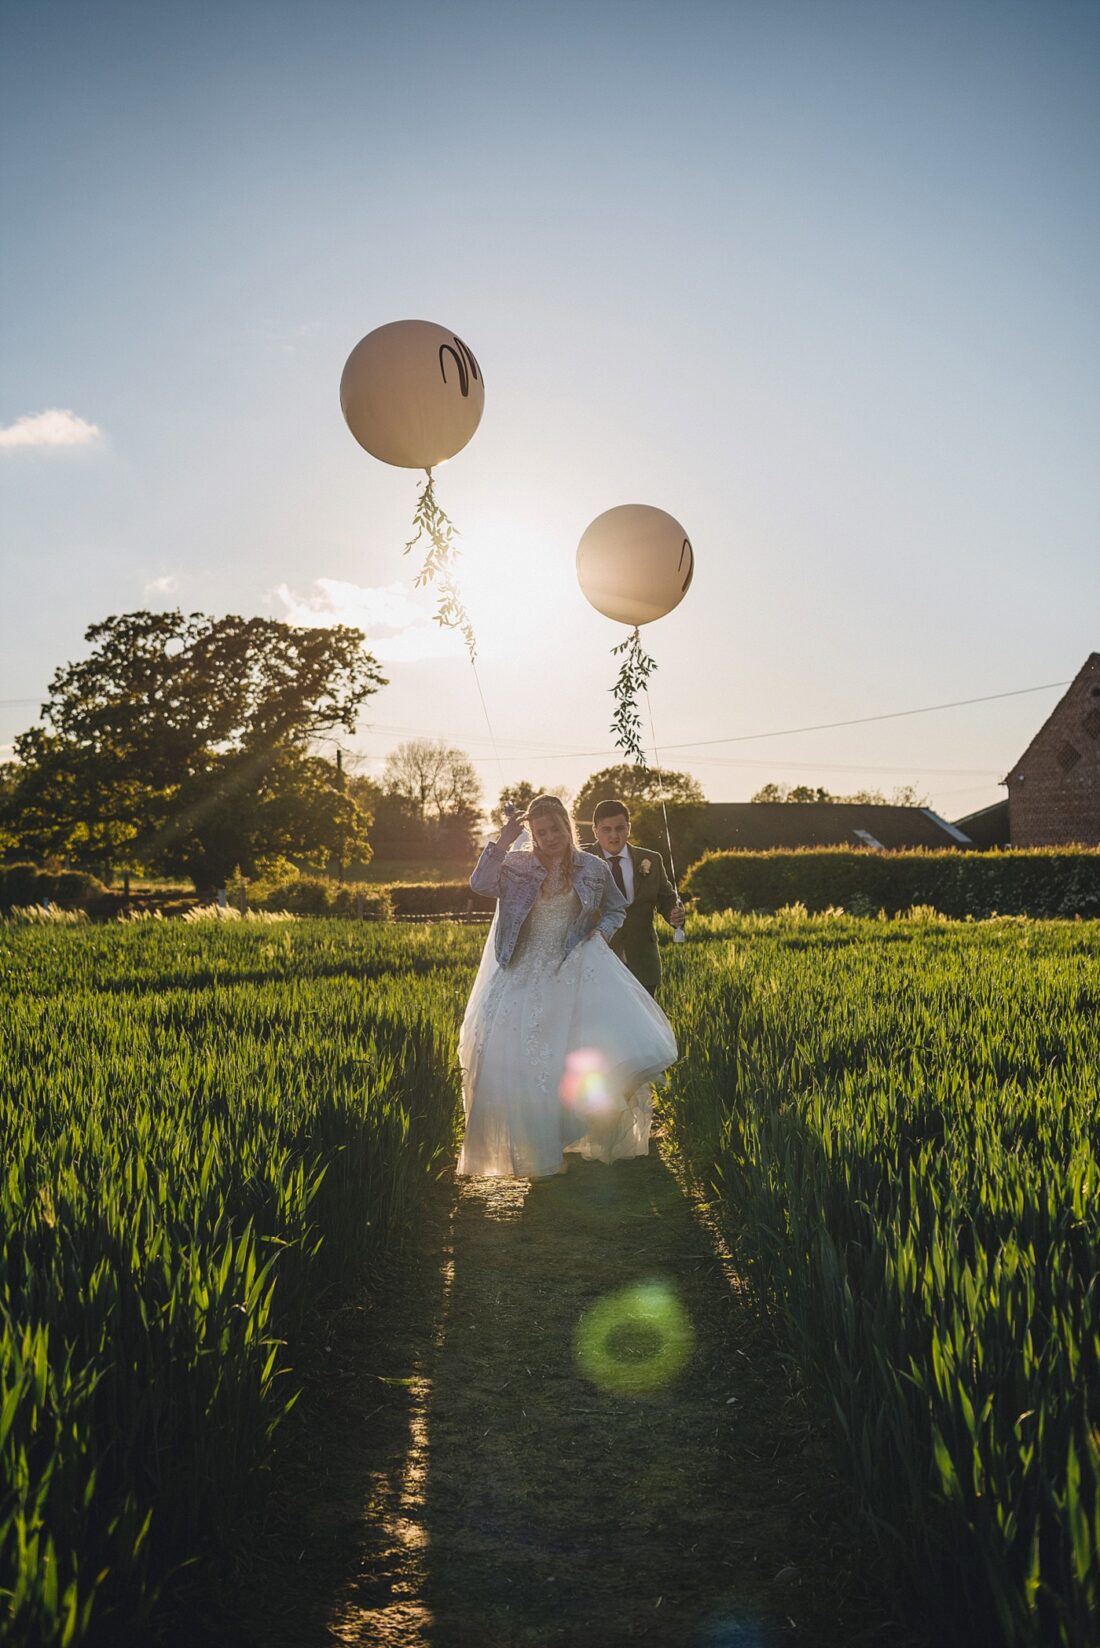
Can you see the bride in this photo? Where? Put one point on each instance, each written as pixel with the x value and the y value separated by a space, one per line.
pixel 560 1042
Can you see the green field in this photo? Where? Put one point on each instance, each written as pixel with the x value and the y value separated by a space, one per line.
pixel 213 1133
pixel 900 1124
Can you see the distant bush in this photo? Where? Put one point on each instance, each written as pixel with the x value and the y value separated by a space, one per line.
pixel 437 898
pixel 23 884
pixel 318 896
pixel 1038 882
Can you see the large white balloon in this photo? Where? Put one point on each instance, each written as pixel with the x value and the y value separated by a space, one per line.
pixel 412 393
pixel 635 563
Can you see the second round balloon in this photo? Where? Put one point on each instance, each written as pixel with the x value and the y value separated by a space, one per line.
pixel 635 563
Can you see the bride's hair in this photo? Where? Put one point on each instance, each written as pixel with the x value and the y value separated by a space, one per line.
pixel 542 807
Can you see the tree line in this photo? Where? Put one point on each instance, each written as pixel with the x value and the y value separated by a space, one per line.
pixel 187 745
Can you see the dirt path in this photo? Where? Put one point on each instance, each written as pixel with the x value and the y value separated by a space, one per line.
pixel 469 1485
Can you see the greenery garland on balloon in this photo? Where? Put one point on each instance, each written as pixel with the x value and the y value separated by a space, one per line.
pixel 635 564
pixel 412 394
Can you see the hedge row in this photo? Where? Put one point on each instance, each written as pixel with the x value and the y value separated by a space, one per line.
pixel 1040 882
pixel 23 883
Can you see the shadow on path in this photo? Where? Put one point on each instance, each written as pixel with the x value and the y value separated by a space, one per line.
pixel 451 1479
pixel 537 1508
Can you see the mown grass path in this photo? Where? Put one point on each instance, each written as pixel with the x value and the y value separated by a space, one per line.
pixel 520 1504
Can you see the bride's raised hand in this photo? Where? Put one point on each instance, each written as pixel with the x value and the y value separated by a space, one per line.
pixel 513 827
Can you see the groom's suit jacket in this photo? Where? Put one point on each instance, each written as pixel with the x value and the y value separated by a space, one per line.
pixel 636 942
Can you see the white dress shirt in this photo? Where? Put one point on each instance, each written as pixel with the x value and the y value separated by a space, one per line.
pixel 626 864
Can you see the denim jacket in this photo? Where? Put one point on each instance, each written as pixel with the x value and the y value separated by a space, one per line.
pixel 514 879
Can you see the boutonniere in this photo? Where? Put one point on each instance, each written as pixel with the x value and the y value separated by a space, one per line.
pixel 645 866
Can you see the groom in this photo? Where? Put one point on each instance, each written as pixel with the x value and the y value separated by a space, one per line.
pixel 639 874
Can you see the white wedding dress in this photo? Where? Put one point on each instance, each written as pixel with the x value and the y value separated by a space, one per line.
pixel 557 1055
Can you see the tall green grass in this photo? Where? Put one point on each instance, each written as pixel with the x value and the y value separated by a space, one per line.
pixel 899 1124
pixel 207 1134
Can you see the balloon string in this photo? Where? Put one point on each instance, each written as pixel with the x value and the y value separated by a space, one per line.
pixel 431 522
pixel 661 787
pixel 488 723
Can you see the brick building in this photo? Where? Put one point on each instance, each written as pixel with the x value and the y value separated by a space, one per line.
pixel 1054 788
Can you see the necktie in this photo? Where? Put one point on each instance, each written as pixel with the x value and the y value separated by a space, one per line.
pixel 617 871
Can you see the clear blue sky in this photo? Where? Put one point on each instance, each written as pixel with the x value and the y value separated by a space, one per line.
pixel 818 278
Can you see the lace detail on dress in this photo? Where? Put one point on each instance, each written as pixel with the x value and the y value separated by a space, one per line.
pixel 539 951
pixel 542 937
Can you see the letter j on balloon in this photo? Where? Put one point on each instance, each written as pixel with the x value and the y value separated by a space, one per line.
pixel 412 394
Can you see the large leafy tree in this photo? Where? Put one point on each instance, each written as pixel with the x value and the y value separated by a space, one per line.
pixel 9 779
pixel 634 785
pixel 182 743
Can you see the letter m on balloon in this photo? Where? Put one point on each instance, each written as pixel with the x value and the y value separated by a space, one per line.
pixel 463 357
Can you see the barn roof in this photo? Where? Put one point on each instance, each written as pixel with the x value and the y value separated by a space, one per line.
pixel 988 826
pixel 1091 667
pixel 758 825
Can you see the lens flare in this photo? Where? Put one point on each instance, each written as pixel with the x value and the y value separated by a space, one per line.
pixel 635 1341
pixel 583 1085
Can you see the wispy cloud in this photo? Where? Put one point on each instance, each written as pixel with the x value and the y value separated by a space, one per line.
pixel 399 629
pixel 53 428
pixel 163 586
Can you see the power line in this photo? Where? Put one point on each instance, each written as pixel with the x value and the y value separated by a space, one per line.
pixel 861 720
pixel 775 763
pixel 550 751
pixel 828 726
pixel 534 751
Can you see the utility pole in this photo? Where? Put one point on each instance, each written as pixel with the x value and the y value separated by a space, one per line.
pixel 340 785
